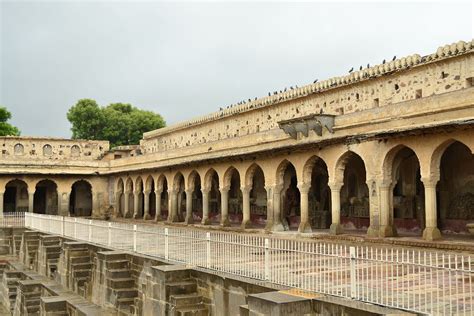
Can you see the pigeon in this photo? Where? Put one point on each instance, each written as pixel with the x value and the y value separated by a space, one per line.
pixel 383 62
pixel 368 65
pixel 315 81
pixel 351 70
pixel 360 68
pixel 220 109
pixel 269 94
pixel 394 57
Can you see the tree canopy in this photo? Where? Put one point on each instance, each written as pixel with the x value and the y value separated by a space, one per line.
pixel 6 129
pixel 119 123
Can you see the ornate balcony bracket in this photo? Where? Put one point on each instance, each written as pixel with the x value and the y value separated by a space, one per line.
pixel 314 122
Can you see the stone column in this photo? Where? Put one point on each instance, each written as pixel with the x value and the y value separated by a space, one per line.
pixel 374 216
pixel 189 207
pixel 1 203
pixel 31 198
pixel 126 202
pixel 245 207
pixel 158 204
pixel 277 224
pixel 173 206
pixel 305 226
pixel 224 206
pixel 431 231
pixel 205 207
pixel 386 217
pixel 146 204
pixel 336 227
pixel 136 204
pixel 63 203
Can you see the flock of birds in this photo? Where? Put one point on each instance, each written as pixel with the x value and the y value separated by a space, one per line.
pixel 291 88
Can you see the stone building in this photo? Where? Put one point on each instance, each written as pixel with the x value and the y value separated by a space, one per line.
pixel 386 150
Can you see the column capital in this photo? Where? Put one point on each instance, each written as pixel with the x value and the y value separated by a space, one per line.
pixel 137 192
pixel 276 188
pixel 172 191
pixel 430 182
pixel 304 187
pixel 189 191
pixel 205 190
pixel 245 190
pixel 146 192
pixel 224 188
pixel 335 186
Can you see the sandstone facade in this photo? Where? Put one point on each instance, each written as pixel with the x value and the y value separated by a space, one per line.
pixel 387 150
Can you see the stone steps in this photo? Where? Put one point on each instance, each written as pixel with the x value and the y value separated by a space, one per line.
pixel 180 287
pixel 120 283
pixel 181 300
pixel 197 310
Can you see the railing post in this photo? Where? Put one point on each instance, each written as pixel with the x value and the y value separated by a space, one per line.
pixel 267 259
pixel 208 250
pixel 352 253
pixel 109 238
pixel 134 238
pixel 167 250
pixel 90 230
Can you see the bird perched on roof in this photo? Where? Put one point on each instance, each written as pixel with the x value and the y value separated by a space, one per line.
pixel 220 109
pixel 284 90
pixel 291 87
pixel 315 81
pixel 368 65
pixel 255 98
pixel 360 68
pixel 351 70
pixel 394 57
pixel 383 62
pixel 269 94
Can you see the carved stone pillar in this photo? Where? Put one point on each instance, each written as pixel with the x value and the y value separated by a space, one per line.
pixel 158 204
pixel 173 206
pixel 63 203
pixel 146 204
pixel 245 207
pixel 136 205
pixel 1 203
pixel 205 207
pixel 431 231
pixel 305 225
pixel 336 227
pixel 189 207
pixel 126 206
pixel 386 212
pixel 274 192
pixel 224 206
pixel 374 215
pixel 31 198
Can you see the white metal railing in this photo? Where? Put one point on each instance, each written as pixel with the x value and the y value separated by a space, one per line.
pixel 12 219
pixel 429 282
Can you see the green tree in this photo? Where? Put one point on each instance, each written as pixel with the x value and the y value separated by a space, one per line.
pixel 119 123
pixel 6 129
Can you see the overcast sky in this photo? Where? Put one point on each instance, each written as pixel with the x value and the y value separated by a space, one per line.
pixel 187 59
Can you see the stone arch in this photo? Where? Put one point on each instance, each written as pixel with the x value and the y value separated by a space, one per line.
pixel 350 172
pixel 211 185
pixel 151 196
pixel 179 186
pixel 453 161
pixel 194 187
pixel 255 182
pixel 120 197
pixel 401 172
pixel 232 182
pixel 15 198
pixel 45 200
pixel 286 178
pixel 139 203
pixel 129 187
pixel 80 199
pixel 316 176
pixel 162 186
